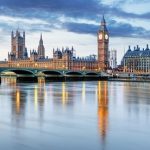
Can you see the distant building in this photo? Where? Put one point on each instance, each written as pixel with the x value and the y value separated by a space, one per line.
pixel 137 60
pixel 62 58
pixel 113 59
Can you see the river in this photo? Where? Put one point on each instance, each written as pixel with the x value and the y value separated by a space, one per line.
pixel 96 115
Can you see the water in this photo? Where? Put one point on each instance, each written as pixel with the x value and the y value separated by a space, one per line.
pixel 95 115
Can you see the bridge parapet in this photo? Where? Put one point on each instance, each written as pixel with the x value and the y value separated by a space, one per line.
pixel 36 72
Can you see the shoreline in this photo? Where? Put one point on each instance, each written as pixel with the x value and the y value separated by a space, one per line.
pixel 128 80
pixel 47 80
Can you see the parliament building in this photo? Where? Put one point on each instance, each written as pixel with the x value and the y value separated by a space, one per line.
pixel 62 58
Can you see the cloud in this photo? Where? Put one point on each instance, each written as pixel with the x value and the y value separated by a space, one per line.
pixel 81 28
pixel 127 30
pixel 90 9
pixel 121 29
pixel 34 15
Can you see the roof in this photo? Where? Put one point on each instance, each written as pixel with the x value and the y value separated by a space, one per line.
pixel 137 52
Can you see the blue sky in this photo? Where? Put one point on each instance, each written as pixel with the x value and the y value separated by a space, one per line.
pixel 75 23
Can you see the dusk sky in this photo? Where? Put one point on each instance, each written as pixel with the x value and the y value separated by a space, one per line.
pixel 75 23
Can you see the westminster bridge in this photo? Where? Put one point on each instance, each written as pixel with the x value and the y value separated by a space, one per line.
pixel 34 74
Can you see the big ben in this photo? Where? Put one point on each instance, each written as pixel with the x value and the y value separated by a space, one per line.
pixel 103 44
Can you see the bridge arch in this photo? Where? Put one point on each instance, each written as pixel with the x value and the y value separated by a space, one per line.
pixel 91 74
pixel 50 72
pixel 18 71
pixel 76 73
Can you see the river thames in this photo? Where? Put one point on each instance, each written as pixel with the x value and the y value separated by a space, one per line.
pixel 96 115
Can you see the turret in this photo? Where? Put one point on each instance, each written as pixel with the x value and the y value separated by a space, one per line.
pixel 18 44
pixel 147 47
pixel 41 49
pixel 129 49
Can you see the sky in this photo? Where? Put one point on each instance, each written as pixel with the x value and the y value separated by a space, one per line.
pixel 67 23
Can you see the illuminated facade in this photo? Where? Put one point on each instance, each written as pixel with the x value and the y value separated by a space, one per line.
pixel 137 60
pixel 103 44
pixel 62 58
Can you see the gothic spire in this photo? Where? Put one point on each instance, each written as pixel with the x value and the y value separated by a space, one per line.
pixel 103 24
pixel 103 20
pixel 41 40
pixel 41 49
pixel 41 36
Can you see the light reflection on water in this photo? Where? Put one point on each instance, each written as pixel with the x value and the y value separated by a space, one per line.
pixel 74 115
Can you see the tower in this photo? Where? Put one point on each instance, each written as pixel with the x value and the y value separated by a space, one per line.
pixel 113 59
pixel 41 49
pixel 103 44
pixel 18 45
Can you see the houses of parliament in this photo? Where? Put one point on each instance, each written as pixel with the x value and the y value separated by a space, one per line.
pixel 62 58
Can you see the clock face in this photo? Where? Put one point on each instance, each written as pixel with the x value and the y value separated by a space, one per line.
pixel 106 36
pixel 100 36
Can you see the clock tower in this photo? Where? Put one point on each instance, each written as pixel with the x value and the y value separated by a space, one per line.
pixel 103 44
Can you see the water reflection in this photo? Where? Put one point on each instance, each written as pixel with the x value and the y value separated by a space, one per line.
pixel 39 98
pixel 62 94
pixel 103 108
pixel 83 91
pixel 41 80
pixel 66 113
pixel 20 97
pixel 18 105
pixel 136 96
pixel 8 80
pixel 36 97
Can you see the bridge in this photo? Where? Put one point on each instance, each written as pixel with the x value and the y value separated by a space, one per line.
pixel 34 73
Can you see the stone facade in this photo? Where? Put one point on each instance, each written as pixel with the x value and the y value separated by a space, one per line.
pixel 103 43
pixel 137 60
pixel 18 50
pixel 62 58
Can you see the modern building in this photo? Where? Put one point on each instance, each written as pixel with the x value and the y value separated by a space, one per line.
pixel 137 60
pixel 62 58
pixel 113 59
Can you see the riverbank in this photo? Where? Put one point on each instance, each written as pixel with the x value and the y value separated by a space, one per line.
pixel 129 79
